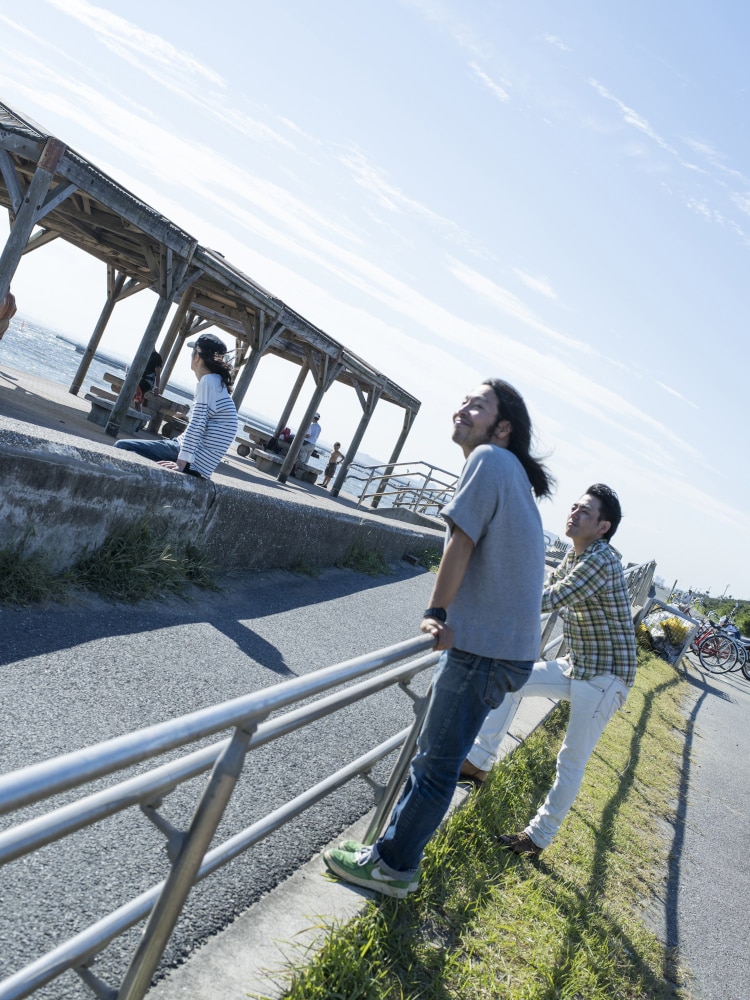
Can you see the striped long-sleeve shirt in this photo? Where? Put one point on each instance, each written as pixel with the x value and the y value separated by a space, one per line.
pixel 597 618
pixel 212 426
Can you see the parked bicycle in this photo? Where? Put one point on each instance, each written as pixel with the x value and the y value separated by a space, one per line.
pixel 716 652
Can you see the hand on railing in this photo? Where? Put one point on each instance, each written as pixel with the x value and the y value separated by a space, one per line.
pixel 444 636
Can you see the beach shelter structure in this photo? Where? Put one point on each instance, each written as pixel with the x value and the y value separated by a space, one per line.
pixel 51 192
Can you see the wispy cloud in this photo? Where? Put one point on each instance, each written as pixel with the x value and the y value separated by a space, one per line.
pixel 678 395
pixel 631 117
pixel 512 306
pixel 500 92
pixel 370 177
pixel 176 70
pixel 557 42
pixel 536 284
pixel 131 42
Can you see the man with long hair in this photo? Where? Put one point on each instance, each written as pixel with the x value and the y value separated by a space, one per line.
pixel 484 614
pixel 596 674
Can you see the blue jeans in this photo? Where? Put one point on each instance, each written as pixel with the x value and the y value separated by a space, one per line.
pixel 465 687
pixel 157 451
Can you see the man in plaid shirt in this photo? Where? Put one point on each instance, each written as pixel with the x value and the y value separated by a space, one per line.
pixel 595 676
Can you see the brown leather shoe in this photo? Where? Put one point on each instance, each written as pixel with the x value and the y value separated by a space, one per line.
pixel 520 843
pixel 473 773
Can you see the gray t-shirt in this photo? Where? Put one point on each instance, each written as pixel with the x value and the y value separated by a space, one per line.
pixel 496 611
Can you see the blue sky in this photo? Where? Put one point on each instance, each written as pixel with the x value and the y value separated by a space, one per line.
pixel 554 193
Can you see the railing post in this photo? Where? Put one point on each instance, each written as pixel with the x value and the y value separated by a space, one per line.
pixel 398 775
pixel 180 880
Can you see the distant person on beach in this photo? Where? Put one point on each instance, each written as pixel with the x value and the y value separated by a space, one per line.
pixel 7 312
pixel 308 445
pixel 213 421
pixel 484 613
pixel 596 674
pixel 149 380
pixel 334 459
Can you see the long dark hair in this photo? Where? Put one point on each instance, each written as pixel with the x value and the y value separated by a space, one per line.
pixel 511 407
pixel 217 366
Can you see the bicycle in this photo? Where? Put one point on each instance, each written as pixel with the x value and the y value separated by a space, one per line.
pixel 716 652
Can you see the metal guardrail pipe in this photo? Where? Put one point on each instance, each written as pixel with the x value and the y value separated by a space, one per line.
pixel 156 784
pixel 30 784
pixel 188 850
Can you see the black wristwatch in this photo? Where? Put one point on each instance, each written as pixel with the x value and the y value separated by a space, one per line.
pixel 439 614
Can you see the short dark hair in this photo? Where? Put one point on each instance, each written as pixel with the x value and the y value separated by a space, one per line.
pixel 609 506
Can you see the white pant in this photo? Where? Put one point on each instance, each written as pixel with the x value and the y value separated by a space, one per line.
pixel 592 705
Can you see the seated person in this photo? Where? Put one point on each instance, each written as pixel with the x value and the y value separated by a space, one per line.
pixel 149 380
pixel 213 422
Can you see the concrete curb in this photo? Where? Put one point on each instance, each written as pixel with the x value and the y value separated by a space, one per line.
pixel 285 928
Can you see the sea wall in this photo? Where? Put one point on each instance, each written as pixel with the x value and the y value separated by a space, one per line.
pixel 60 499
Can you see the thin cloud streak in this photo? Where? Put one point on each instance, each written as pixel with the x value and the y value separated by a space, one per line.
pixel 500 92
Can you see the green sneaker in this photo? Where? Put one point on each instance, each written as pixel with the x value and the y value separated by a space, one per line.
pixel 357 867
pixel 353 846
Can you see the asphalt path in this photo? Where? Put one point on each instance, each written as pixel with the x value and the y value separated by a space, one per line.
pixel 707 884
pixel 73 676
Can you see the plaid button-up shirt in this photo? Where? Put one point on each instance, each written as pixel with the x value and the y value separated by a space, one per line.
pixel 597 619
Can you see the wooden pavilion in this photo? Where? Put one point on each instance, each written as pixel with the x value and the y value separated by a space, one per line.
pixel 51 192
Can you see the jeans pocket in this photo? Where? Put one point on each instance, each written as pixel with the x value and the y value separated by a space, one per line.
pixel 613 698
pixel 505 677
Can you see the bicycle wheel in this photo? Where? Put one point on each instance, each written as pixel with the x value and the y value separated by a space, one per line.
pixel 717 654
pixel 741 660
pixel 746 669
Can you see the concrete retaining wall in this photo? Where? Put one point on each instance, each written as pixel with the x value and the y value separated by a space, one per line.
pixel 59 499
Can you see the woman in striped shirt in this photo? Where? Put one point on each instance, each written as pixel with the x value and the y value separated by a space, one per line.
pixel 213 422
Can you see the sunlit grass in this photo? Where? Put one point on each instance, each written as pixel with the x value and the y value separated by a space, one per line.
pixel 487 924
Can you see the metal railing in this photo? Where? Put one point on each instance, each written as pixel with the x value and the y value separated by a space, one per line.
pixel 417 486
pixel 188 850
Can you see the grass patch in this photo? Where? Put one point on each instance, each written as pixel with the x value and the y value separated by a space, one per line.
pixel 487 924
pixel 131 565
pixel 27 579
pixel 365 560
pixel 429 558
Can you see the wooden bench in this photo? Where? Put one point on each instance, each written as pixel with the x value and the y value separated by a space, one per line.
pixel 270 463
pixel 101 411
pixel 267 461
pixel 167 417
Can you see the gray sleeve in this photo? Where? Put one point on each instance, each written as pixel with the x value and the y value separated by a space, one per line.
pixel 477 495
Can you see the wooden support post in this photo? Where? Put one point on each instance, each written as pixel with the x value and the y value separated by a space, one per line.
pixel 293 397
pixel 174 328
pixel 138 366
pixel 368 405
pixel 115 284
pixel 325 376
pixel 30 211
pixel 409 416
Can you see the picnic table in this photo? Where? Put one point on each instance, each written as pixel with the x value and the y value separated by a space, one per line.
pixel 270 462
pixel 102 404
pixel 164 415
pixel 255 439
